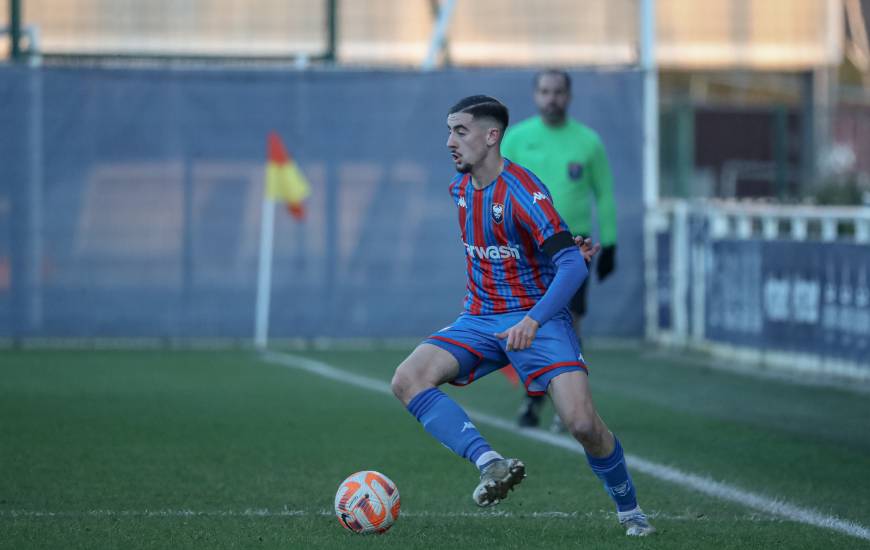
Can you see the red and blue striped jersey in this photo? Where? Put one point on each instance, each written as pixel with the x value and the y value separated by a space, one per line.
pixel 503 227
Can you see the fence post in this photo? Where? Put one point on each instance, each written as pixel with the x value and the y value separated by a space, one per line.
pixel 651 222
pixel 15 29
pixel 685 149
pixel 331 30
pixel 680 271
pixel 697 323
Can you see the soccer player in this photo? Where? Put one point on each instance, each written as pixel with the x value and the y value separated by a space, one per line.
pixel 570 158
pixel 522 267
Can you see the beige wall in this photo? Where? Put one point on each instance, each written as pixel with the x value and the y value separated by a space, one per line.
pixel 770 34
pixel 750 33
pixel 191 27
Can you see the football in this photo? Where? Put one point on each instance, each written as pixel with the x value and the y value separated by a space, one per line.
pixel 367 502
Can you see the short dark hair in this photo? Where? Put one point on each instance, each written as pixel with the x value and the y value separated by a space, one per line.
pixel 483 106
pixel 553 72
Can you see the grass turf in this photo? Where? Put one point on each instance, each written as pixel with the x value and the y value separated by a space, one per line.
pixel 220 450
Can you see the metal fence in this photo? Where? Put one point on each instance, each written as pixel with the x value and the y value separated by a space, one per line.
pixel 785 286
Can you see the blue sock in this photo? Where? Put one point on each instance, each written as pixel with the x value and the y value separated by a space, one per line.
pixel 612 471
pixel 449 424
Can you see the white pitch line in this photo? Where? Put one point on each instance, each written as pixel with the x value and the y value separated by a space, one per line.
pixel 702 484
pixel 284 513
pixel 182 513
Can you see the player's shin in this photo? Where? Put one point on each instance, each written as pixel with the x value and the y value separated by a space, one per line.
pixel 448 423
pixel 612 471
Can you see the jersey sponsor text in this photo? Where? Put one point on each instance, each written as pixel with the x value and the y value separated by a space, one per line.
pixel 493 252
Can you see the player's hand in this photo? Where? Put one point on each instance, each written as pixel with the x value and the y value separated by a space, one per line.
pixel 606 262
pixel 587 248
pixel 520 335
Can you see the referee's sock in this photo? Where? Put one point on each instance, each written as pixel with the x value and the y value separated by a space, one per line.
pixel 448 423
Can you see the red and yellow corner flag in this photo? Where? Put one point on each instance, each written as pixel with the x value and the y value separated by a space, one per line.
pixel 284 181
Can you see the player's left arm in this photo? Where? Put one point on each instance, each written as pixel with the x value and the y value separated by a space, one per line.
pixel 534 212
pixel 570 273
pixel 587 248
pixel 605 207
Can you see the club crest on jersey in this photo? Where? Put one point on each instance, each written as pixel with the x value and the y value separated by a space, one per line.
pixel 497 212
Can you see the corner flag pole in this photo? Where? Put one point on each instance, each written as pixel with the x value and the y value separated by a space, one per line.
pixel 264 273
pixel 285 182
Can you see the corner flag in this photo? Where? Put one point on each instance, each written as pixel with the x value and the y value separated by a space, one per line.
pixel 284 181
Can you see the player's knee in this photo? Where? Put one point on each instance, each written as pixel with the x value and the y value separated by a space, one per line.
pixel 419 372
pixel 405 383
pixel 399 384
pixel 584 430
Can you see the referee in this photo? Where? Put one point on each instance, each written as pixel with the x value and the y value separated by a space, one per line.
pixel 570 160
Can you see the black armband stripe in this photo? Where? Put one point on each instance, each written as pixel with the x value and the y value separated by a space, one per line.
pixel 558 242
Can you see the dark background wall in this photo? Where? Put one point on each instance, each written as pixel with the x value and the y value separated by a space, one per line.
pixel 130 200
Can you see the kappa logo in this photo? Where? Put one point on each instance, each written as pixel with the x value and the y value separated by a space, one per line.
pixel 468 426
pixel 497 212
pixel 538 196
pixel 461 202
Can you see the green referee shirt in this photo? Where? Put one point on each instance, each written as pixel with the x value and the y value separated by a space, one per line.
pixel 571 162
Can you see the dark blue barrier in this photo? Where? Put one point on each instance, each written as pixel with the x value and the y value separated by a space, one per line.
pixel 664 280
pixel 804 297
pixel 148 219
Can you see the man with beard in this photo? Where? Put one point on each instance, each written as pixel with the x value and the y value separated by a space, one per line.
pixel 570 159
pixel 522 267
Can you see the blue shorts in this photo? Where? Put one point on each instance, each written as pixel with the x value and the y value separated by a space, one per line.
pixel 471 340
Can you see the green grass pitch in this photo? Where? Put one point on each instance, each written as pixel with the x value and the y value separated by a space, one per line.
pixel 151 449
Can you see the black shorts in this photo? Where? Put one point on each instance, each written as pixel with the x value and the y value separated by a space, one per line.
pixel 577 305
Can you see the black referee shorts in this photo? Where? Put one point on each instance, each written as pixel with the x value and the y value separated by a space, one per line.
pixel 577 305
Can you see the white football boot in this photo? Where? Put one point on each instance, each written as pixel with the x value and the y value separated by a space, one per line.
pixel 636 523
pixel 497 479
